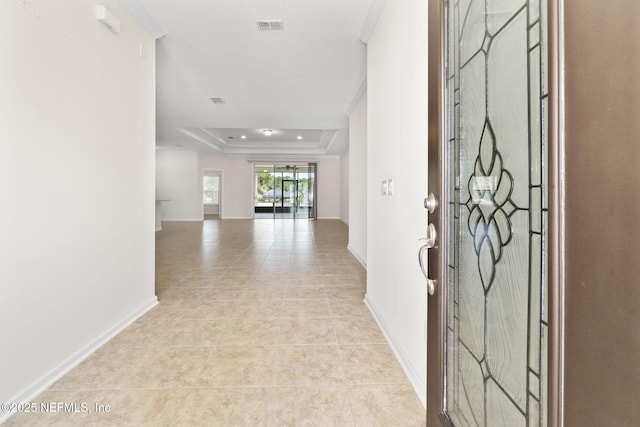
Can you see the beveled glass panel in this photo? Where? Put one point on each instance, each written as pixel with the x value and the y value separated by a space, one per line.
pixel 509 102
pixel 496 336
pixel 472 30
pixel 499 12
pixel 535 112
pixel 507 311
pixel 534 412
pixel 472 113
pixel 536 209
pixel 471 295
pixel 543 374
pixel 501 411
pixel 534 385
pixel 543 139
pixel 544 37
pixel 535 281
pixel 534 11
pixel 471 393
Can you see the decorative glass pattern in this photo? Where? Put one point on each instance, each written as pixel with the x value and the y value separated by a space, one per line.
pixel 497 212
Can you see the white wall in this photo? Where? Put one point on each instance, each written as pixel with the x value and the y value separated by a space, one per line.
pixel 328 197
pixel 397 149
pixel 358 180
pixel 77 136
pixel 212 209
pixel 344 188
pixel 237 183
pixel 177 178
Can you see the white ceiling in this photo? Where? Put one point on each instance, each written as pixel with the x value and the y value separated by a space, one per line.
pixel 300 81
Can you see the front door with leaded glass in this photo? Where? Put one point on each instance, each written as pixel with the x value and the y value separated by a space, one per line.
pixel 494 150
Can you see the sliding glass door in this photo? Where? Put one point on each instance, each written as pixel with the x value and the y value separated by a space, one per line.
pixel 305 190
pixel 284 191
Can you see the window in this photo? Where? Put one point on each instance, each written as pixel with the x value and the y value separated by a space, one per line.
pixel 211 189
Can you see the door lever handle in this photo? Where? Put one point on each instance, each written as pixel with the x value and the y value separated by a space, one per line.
pixel 431 284
pixel 430 243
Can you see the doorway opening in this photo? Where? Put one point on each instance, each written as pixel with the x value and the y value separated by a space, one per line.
pixel 284 191
pixel 211 194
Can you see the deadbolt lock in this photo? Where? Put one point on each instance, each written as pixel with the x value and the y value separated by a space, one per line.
pixel 431 203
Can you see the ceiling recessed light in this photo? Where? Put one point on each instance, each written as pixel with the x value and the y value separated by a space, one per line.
pixel 267 132
pixel 299 137
pixel 243 136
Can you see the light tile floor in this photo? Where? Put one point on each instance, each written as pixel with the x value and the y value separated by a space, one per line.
pixel 260 323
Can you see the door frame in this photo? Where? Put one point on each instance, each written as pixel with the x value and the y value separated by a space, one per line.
pixel 219 173
pixel 556 231
pixel 436 304
pixel 436 315
pixel 294 182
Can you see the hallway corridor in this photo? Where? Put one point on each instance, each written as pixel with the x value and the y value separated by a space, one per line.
pixel 260 323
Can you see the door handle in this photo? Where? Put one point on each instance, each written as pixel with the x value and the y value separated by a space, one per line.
pixel 431 241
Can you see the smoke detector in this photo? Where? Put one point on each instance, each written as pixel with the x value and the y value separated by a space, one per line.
pixel 217 100
pixel 270 25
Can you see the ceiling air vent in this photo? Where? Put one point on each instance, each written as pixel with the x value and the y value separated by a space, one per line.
pixel 270 25
pixel 217 100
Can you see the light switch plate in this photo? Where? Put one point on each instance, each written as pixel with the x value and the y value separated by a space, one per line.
pixel 384 187
pixel 390 187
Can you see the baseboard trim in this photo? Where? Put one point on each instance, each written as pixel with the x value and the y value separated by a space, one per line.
pixel 360 260
pixel 419 385
pixel 180 219
pixel 39 386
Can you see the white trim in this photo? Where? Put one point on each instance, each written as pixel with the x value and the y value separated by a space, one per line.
pixel 180 219
pixel 220 174
pixel 141 14
pixel 372 18
pixel 419 384
pixel 330 217
pixel 292 159
pixel 357 97
pixel 279 161
pixel 360 260
pixel 46 380
pixel 558 275
pixel 237 217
